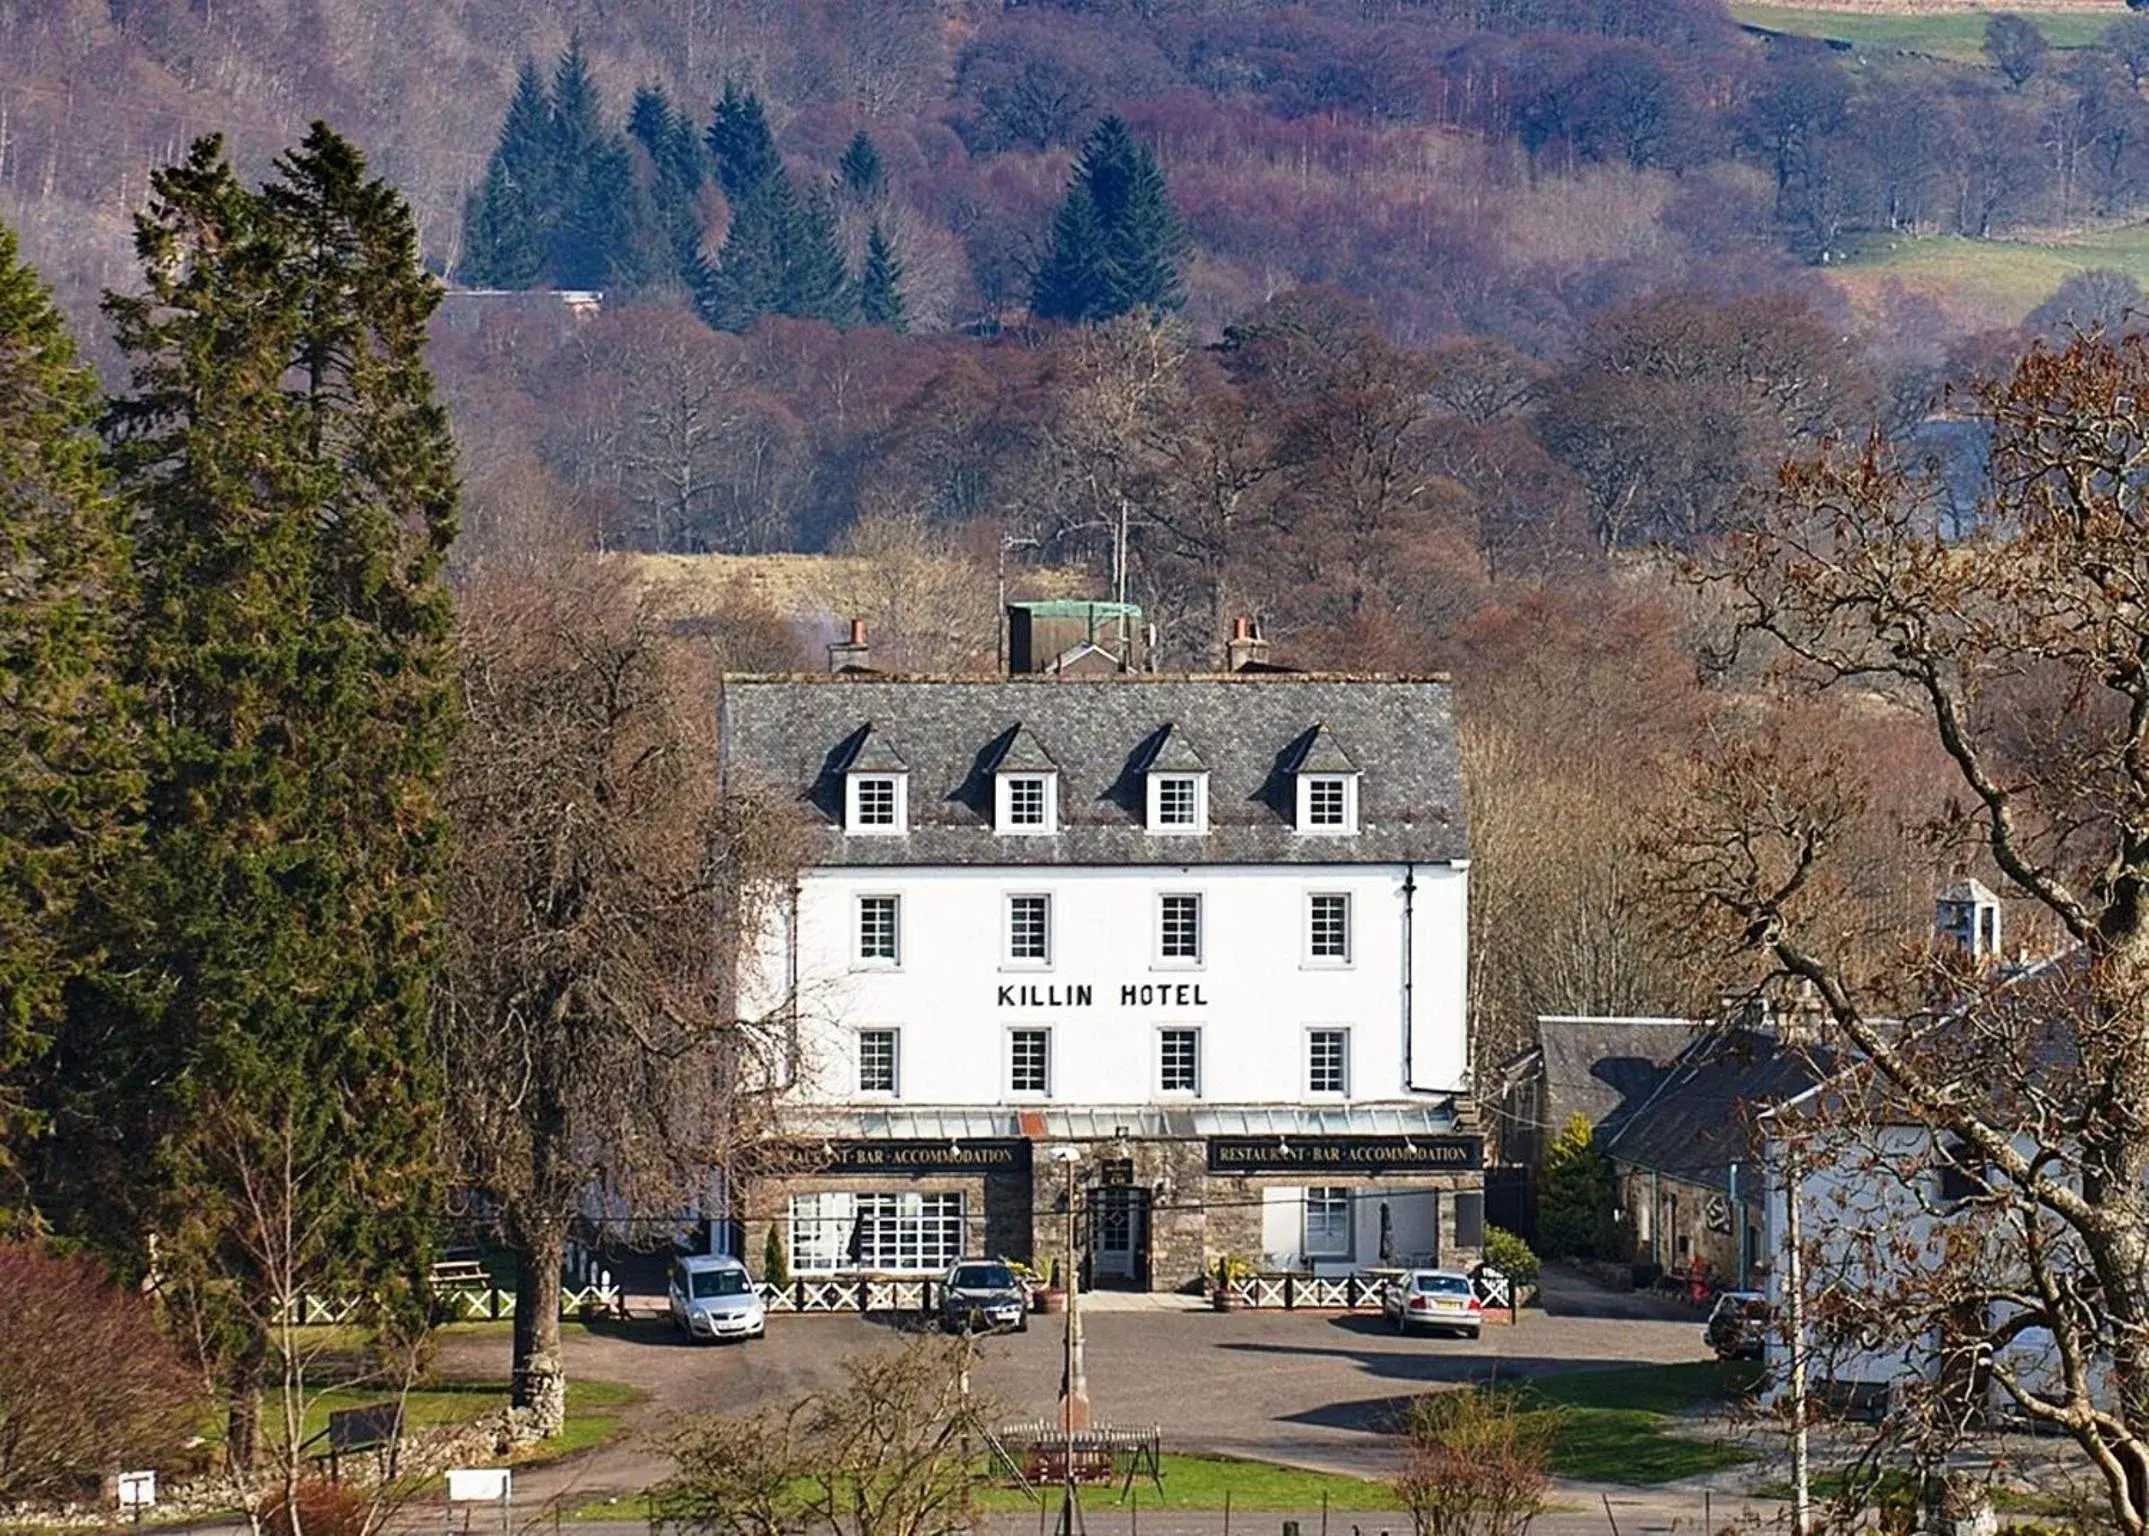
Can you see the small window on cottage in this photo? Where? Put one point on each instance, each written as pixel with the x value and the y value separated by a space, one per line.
pixel 1328 1222
pixel 1327 802
pixel 1178 802
pixel 1028 803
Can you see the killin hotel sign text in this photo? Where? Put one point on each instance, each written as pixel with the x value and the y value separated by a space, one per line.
pixel 1148 994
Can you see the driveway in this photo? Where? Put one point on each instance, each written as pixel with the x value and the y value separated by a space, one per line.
pixel 1309 1389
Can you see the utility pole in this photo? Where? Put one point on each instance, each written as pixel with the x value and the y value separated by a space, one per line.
pixel 1794 1267
pixel 1074 1383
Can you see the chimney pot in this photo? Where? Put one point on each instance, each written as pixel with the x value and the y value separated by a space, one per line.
pixel 858 632
pixel 1242 627
pixel 1247 648
pixel 851 655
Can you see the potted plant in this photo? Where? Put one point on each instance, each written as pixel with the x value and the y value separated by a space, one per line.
pixel 1053 1299
pixel 1230 1270
pixel 1032 1283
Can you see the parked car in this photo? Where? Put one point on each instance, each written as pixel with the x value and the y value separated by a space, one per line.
pixel 1433 1298
pixel 1738 1325
pixel 713 1297
pixel 982 1294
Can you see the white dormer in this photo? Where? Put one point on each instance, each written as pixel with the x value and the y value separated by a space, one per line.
pixel 1177 783
pixel 1026 788
pixel 876 789
pixel 1327 784
pixel 1968 916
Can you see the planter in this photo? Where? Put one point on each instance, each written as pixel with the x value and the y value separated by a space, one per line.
pixel 1224 1299
pixel 1052 1301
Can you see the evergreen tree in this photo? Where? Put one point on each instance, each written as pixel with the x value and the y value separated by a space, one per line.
pixel 680 167
pixel 610 234
pixel 748 279
pixel 1117 243
pixel 1574 1212
pixel 66 750
pixel 741 145
pixel 507 219
pixel 861 168
pixel 880 284
pixel 1074 284
pixel 816 284
pixel 255 1077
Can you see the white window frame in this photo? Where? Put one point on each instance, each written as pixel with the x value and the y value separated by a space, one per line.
pixel 921 1231
pixel 1194 1090
pixel 1195 828
pixel 1349 825
pixel 1004 802
pixel 1328 1197
pixel 1191 962
pixel 894 1090
pixel 1340 962
pixel 859 958
pixel 1007 1056
pixel 1306 1055
pixel 854 782
pixel 1011 961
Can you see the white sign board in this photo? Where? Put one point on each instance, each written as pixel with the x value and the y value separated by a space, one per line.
pixel 478 1485
pixel 137 1490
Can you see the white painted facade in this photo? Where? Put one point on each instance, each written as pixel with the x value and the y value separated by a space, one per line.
pixel 1106 995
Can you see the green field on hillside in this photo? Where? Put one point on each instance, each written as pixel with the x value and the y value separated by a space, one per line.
pixel 1947 35
pixel 2003 278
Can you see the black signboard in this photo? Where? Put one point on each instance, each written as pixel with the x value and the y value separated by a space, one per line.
pixel 928 1157
pixel 1346 1154
pixel 1116 1172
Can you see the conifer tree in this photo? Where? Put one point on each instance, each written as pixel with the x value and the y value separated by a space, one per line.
pixel 67 777
pixel 506 222
pixel 1122 251
pixel 681 168
pixel 741 145
pixel 861 169
pixel 254 1079
pixel 816 285
pixel 880 284
pixel 748 279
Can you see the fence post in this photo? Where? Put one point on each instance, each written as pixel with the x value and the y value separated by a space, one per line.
pixel 1350 1292
pixel 1290 1292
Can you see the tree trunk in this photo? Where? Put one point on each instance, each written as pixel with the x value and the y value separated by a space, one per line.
pixel 540 1375
pixel 242 1425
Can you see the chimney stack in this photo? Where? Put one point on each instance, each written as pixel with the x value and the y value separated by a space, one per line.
pixel 1247 648
pixel 852 655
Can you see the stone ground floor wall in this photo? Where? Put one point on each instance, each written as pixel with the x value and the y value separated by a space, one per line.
pixel 1676 1222
pixel 1185 1217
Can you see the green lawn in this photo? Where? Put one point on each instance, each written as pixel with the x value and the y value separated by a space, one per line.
pixel 2005 278
pixel 1616 1426
pixel 594 1411
pixel 1958 35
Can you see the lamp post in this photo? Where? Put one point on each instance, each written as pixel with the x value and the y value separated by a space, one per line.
pixel 1074 1383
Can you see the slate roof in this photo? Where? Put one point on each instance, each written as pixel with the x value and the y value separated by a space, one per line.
pixel 797 735
pixel 1704 1114
pixel 1604 1068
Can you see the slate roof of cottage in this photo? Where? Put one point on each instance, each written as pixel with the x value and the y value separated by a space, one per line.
pixel 1604 1068
pixel 797 736
pixel 1704 1114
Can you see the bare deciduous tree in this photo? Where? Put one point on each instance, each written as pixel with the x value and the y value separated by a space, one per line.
pixel 598 880
pixel 2024 650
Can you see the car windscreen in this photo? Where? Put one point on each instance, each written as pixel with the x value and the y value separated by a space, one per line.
pixel 1444 1285
pixel 718 1282
pixel 984 1277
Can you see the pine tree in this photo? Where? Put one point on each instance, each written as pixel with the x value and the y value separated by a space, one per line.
pixel 741 145
pixel 680 166
pixel 748 279
pixel 610 236
pixel 861 168
pixel 1075 283
pixel 67 776
pixel 508 218
pixel 1117 243
pixel 1574 1214
pixel 816 285
pixel 880 284
pixel 292 481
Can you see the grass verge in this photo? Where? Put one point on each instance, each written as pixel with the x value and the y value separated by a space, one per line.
pixel 1618 1426
pixel 596 1412
pixel 2003 279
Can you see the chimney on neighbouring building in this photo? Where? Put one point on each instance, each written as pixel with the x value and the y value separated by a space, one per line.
pixel 852 655
pixel 1967 915
pixel 1247 648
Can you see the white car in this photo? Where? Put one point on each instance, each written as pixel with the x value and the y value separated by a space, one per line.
pixel 1434 1298
pixel 713 1297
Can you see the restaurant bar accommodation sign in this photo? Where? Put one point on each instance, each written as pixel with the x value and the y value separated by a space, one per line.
pixel 928 1157
pixel 1346 1154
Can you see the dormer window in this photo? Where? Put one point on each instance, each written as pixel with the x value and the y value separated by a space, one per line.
pixel 1328 803
pixel 877 804
pixel 1029 804
pixel 1178 802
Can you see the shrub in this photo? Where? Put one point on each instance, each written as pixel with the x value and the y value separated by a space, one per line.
pixel 1476 1463
pixel 324 1508
pixel 86 1378
pixel 775 1262
pixel 1510 1255
pixel 1574 1218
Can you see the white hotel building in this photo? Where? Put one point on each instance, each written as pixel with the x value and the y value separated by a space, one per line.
pixel 1210 930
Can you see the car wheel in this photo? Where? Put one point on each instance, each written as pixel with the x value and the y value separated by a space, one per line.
pixel 1022 1324
pixel 1470 1333
pixel 1402 1324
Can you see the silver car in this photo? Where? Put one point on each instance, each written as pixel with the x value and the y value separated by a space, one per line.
pixel 1433 1298
pixel 713 1297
